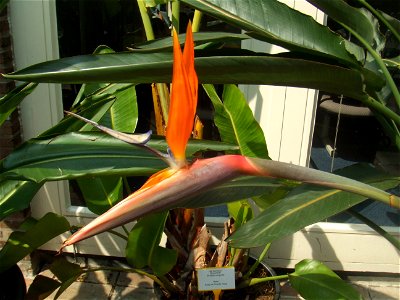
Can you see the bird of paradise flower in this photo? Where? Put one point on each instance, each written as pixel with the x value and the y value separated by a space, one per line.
pixel 169 187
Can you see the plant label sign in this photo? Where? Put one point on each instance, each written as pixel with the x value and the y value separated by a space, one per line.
pixel 210 279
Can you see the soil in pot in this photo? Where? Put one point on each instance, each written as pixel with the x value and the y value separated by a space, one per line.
pixel 269 290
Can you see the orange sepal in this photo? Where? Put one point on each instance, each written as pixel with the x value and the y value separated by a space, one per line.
pixel 183 103
pixel 156 178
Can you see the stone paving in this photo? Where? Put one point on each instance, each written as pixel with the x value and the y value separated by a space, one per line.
pixel 113 285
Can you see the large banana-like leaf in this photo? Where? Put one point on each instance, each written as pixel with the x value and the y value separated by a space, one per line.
pixel 306 205
pixel 275 22
pixel 246 68
pixel 75 155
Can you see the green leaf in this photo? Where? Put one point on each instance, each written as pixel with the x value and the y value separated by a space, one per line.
pixel 70 124
pixel 266 200
pixel 393 22
pixel 237 189
pixel 276 23
pixel 153 3
pixel 101 193
pixel 42 287
pixel 66 272
pixel 16 196
pixel 123 114
pixel 76 155
pixel 200 38
pixel 393 62
pixel 306 205
pixel 3 4
pixel 90 88
pixel 241 211
pixel 20 244
pixel 246 68
pixel 359 19
pixel 11 100
pixel 236 123
pixel 143 245
pixel 313 280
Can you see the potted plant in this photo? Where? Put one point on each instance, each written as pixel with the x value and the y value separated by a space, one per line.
pixel 204 175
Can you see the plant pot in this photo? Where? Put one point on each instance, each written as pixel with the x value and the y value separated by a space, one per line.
pixel 12 284
pixel 269 290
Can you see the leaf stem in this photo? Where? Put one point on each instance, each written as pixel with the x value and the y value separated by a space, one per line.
pixel 253 281
pixel 257 262
pixel 175 15
pixel 197 20
pixel 394 241
pixel 391 129
pixel 118 234
pixel 125 229
pixel 379 107
pixel 146 20
pixel 126 185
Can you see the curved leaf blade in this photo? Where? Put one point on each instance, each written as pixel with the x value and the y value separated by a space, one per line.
pixel 246 69
pixel 143 245
pixel 199 38
pixel 237 189
pixel 276 23
pixel 360 20
pixel 306 205
pixel 20 243
pixel 236 123
pixel 123 114
pixel 75 155
pixel 66 272
pixel 42 287
pixel 101 193
pixel 11 100
pixel 313 280
pixel 16 196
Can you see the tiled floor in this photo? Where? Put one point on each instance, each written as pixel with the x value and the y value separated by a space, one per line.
pixel 112 285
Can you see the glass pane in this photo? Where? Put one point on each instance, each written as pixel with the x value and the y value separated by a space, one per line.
pixel 347 132
pixel 359 138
